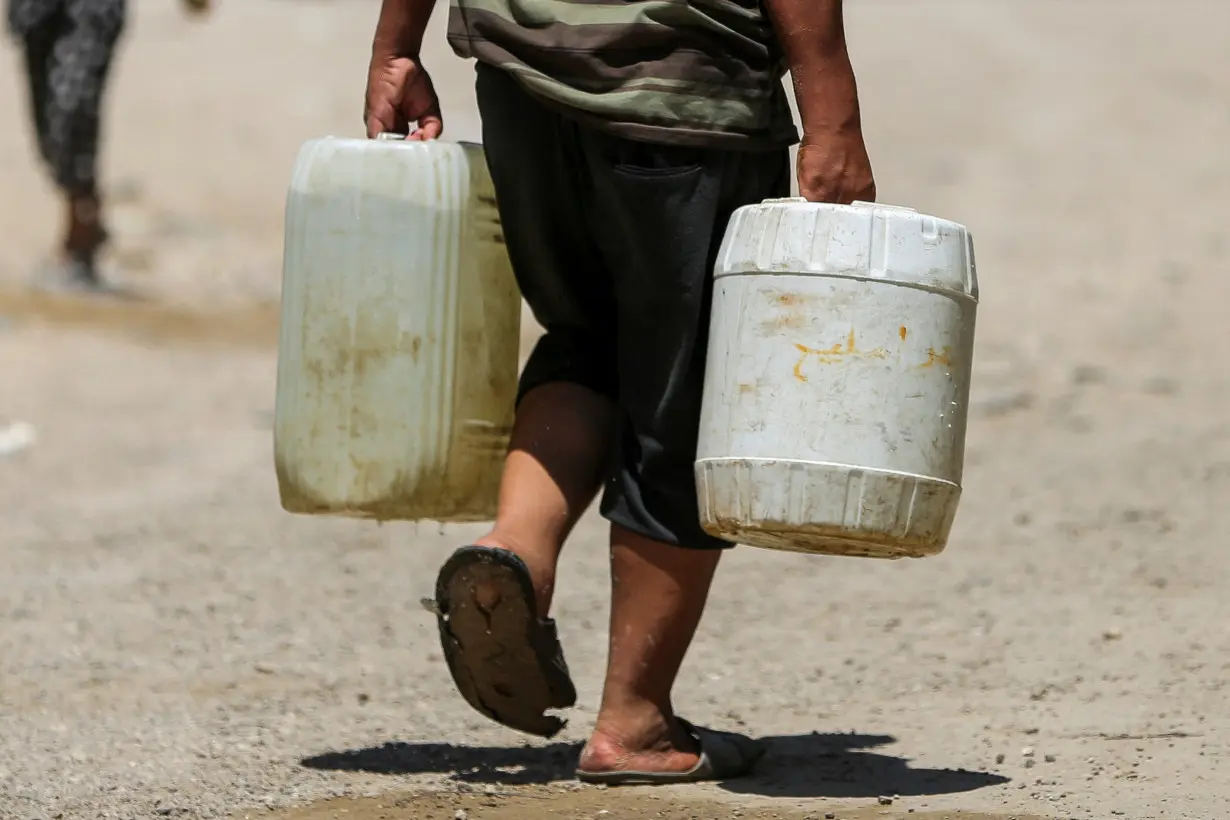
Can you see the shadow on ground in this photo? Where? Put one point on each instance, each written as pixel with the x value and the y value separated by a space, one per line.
pixel 513 766
pixel 814 765
pixel 839 766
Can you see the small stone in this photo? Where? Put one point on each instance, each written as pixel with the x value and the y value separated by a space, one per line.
pixel 1028 751
pixel 461 814
pixel 1029 763
pixel 884 801
pixel 1112 635
pixel 830 816
pixel 1088 374
pixel 1049 758
pixel 1161 386
pixel 1004 402
pixel 999 758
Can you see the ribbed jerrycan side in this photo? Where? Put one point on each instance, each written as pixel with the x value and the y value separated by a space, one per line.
pixel 397 360
pixel 838 378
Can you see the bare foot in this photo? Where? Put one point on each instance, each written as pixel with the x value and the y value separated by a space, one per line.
pixel 541 568
pixel 656 747
pixel 77 276
pixel 69 274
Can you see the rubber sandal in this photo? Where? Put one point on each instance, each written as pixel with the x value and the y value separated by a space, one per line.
pixel 505 661
pixel 723 756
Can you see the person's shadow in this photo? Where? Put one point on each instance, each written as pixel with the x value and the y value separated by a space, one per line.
pixel 814 765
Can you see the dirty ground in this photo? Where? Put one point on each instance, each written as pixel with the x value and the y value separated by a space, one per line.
pixel 175 645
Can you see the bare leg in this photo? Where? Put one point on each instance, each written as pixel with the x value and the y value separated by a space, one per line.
pixel 561 444
pixel 502 649
pixel 83 238
pixel 84 231
pixel 658 596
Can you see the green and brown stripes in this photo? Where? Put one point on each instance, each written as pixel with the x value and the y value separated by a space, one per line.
pixel 701 71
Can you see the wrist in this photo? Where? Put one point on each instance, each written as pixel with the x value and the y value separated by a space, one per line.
pixel 400 28
pixel 824 129
pixel 398 45
pixel 828 101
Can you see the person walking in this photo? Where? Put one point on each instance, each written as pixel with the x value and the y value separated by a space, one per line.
pixel 69 47
pixel 620 138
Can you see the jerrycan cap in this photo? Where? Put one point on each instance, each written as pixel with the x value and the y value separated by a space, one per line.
pixel 862 240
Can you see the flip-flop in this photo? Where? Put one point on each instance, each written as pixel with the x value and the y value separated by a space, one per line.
pixel 723 756
pixel 505 660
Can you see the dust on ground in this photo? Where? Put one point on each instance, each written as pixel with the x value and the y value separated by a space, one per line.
pixel 586 804
pixel 138 319
pixel 175 645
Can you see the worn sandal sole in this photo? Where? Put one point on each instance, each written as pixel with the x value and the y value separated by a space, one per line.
pixel 506 662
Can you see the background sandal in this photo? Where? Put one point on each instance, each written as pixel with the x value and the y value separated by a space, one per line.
pixel 506 661
pixel 723 756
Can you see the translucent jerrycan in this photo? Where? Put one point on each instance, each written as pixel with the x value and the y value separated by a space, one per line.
pixel 838 380
pixel 397 360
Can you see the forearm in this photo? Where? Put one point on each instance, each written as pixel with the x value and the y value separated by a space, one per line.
pixel 813 37
pixel 399 31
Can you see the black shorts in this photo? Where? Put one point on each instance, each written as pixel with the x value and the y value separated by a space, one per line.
pixel 613 244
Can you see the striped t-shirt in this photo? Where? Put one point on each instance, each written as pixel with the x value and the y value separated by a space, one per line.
pixel 694 72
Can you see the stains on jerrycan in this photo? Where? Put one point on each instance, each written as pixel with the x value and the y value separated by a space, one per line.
pixel 397 359
pixel 838 379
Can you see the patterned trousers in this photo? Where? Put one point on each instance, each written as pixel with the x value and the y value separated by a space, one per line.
pixel 68 47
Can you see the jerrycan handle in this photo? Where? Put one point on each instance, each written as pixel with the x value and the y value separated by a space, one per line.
pixel 858 203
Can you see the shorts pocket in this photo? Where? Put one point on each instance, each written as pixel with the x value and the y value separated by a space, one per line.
pixel 650 160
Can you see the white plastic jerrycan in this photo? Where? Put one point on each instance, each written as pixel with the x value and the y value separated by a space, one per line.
pixel 838 379
pixel 397 362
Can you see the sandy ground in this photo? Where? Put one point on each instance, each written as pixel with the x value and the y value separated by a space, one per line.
pixel 173 644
